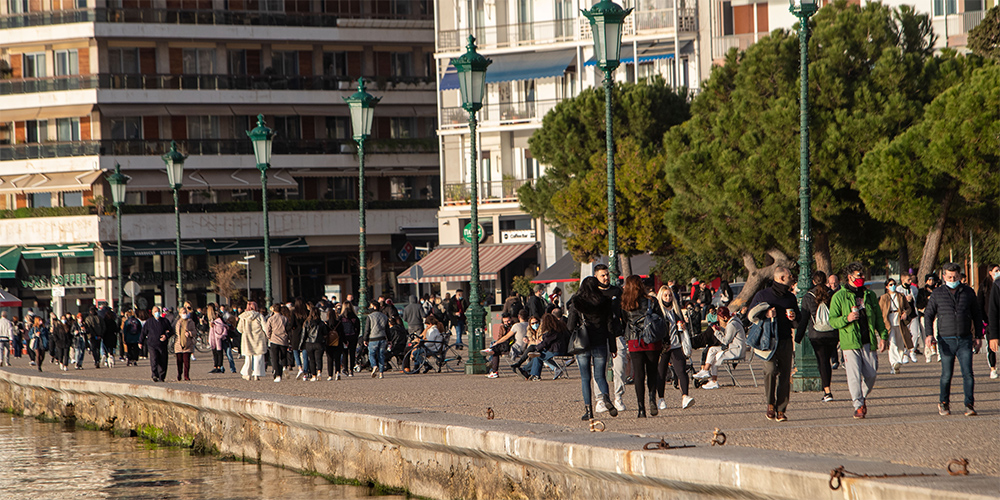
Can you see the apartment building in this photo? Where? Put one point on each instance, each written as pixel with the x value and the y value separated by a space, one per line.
pixel 542 53
pixel 88 84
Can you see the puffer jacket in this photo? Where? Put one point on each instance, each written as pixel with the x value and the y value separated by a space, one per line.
pixel 957 313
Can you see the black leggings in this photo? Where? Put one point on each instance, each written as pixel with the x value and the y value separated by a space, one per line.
pixel 278 358
pixel 216 357
pixel 826 351
pixel 314 352
pixel 677 362
pixel 350 351
pixel 644 369
pixel 333 354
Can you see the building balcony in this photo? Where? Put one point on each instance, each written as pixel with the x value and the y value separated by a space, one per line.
pixel 494 114
pixel 141 147
pixel 208 82
pixel 721 45
pixel 227 207
pixel 658 18
pixel 504 191
pixel 401 10
pixel 957 24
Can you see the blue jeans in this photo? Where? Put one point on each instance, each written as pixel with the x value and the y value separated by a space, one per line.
pixel 536 364
pixel 81 349
pixel 227 348
pixel 459 329
pixel 301 360
pixel 950 348
pixel 376 354
pixel 599 356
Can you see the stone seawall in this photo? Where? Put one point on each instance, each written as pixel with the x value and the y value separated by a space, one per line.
pixel 452 456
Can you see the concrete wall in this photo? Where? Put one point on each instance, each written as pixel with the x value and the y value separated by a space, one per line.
pixel 450 456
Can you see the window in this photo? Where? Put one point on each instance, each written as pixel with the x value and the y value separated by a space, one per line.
pixel 940 5
pixel 403 128
pixel 401 63
pixel 285 62
pixel 126 128
pixel 39 200
pixel 135 197
pixel 340 188
pixel 288 127
pixel 36 130
pixel 335 63
pixel 203 127
pixel 66 63
pixel 237 62
pixel 17 6
pixel 72 199
pixel 33 65
pixel 272 5
pixel 338 127
pixel 81 4
pixel 401 188
pixel 67 129
pixel 123 61
pixel 199 61
pixel 202 197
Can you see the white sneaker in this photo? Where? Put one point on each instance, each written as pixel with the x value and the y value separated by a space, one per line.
pixel 913 356
pixel 331 378
pixel 297 375
pixel 906 359
pixel 338 376
pixel 711 385
pixel 687 401
pixel 619 404
pixel 661 404
pixel 374 372
pixel 702 374
pixel 277 379
pixel 600 407
pixel 994 374
pixel 492 375
pixel 381 375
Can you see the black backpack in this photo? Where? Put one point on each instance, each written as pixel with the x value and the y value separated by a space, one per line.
pixel 651 326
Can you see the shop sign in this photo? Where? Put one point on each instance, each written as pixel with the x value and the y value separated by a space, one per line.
pixel 58 291
pixel 74 280
pixel 467 233
pixel 155 278
pixel 518 236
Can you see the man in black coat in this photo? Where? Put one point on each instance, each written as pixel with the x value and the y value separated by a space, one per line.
pixel 110 337
pixel 94 326
pixel 959 332
pixel 778 370
pixel 620 365
pixel 536 304
pixel 154 336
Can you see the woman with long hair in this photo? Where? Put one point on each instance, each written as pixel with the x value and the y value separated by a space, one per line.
pixel 645 357
pixel 348 328
pixel 184 344
pixel 276 328
pixel 673 349
pixel 896 315
pixel 314 337
pixel 216 335
pixel 552 339
pixel 591 309
pixel 732 345
pixel 253 342
pixel 824 339
pixel 38 340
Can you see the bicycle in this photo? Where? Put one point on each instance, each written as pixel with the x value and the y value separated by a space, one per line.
pixel 424 359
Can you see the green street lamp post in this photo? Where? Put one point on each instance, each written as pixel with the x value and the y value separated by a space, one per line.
pixel 261 137
pixel 806 377
pixel 362 106
pixel 118 181
pixel 606 21
pixel 471 68
pixel 175 175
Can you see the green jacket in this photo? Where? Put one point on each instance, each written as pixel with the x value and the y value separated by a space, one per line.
pixel 851 334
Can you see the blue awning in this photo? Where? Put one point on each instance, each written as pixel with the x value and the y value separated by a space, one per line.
pixel 627 56
pixel 523 66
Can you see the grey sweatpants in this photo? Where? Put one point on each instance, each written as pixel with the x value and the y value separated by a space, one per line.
pixel 860 365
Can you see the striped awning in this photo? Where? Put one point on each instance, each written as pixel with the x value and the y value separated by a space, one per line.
pixel 454 262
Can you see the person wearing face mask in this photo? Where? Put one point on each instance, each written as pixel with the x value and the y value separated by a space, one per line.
pixel 855 313
pixel 60 342
pixel 184 344
pixel 778 370
pixel 991 302
pixel 79 341
pixel 923 295
pixel 960 331
pixel 896 315
pixel 155 333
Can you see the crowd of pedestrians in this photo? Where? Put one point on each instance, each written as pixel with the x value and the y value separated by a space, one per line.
pixel 643 337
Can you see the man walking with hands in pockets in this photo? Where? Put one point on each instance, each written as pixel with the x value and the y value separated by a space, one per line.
pixel 855 313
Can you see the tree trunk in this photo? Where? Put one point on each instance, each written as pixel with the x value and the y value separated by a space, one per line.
pixel 625 265
pixel 758 277
pixel 932 244
pixel 904 257
pixel 821 252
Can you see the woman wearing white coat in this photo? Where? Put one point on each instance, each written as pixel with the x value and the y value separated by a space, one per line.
pixel 254 342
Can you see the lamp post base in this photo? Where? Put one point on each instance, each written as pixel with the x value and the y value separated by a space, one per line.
pixel 475 324
pixel 806 384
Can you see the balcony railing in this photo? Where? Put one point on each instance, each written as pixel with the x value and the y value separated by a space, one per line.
pixel 142 147
pixel 721 45
pixel 504 191
pixel 344 9
pixel 503 113
pixel 206 82
pixel 658 17
pixel 960 23
pixel 233 206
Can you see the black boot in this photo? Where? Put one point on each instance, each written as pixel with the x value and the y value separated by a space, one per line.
pixel 588 412
pixel 611 407
pixel 653 409
pixel 642 410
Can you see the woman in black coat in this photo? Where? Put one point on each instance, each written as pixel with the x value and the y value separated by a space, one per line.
pixel 590 308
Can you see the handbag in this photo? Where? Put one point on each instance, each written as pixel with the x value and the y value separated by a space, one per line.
pixel 579 340
pixel 686 342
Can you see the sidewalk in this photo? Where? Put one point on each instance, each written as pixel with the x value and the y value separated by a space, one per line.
pixel 902 427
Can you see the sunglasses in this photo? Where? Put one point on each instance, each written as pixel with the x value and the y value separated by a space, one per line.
pixel 533 323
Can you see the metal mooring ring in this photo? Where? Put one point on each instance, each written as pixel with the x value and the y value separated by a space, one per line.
pixel 596 425
pixel 963 467
pixel 489 414
pixel 718 437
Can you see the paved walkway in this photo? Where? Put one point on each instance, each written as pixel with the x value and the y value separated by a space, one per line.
pixel 902 426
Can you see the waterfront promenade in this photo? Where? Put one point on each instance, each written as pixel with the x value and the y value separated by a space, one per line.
pixel 902 427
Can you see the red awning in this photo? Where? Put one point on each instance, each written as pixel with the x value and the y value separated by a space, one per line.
pixel 8 300
pixel 454 263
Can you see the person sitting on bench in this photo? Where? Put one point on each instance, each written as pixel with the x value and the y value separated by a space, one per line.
pixel 733 340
